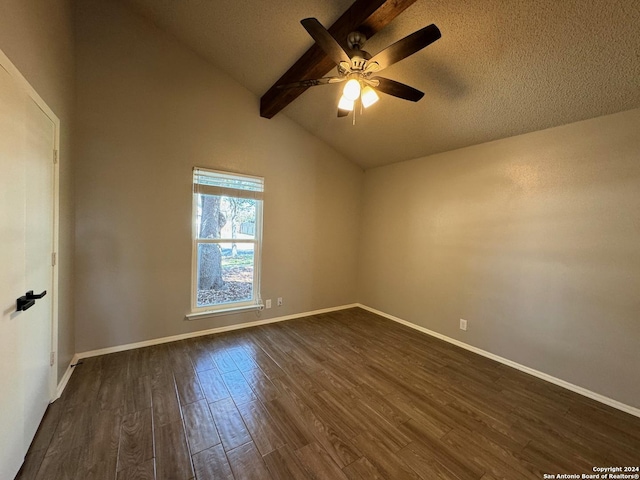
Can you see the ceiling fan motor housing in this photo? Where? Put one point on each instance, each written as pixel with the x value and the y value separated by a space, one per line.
pixel 356 40
pixel 359 57
pixel 358 62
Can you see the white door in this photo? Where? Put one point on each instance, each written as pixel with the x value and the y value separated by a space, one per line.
pixel 36 324
pixel 27 142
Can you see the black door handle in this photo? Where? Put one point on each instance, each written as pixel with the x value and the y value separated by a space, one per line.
pixel 28 300
pixel 31 296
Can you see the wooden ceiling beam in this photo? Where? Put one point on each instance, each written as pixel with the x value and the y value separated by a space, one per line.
pixel 365 16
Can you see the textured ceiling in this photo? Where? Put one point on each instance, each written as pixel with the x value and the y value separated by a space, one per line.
pixel 501 68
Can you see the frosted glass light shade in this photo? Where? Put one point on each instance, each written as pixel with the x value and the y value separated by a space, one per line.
pixel 369 96
pixel 351 90
pixel 345 104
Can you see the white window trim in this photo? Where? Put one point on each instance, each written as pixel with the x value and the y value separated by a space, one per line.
pixel 235 307
pixel 227 311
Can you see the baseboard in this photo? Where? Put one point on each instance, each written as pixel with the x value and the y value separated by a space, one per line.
pixel 536 373
pixel 201 333
pixel 65 378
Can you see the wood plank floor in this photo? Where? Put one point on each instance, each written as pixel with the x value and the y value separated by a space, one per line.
pixel 340 396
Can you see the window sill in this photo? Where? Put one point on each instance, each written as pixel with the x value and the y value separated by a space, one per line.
pixel 226 311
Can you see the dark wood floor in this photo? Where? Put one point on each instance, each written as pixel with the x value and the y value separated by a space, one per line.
pixel 345 395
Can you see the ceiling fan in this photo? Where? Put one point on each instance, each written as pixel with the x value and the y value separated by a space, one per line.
pixel 359 69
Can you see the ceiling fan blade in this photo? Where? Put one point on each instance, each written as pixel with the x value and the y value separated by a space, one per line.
pixel 397 89
pixel 325 41
pixel 343 113
pixel 313 82
pixel 407 46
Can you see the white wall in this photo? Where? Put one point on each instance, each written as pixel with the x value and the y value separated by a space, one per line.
pixel 148 111
pixel 534 239
pixel 37 36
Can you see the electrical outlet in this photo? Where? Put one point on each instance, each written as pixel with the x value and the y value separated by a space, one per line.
pixel 267 303
pixel 463 324
pixel 279 301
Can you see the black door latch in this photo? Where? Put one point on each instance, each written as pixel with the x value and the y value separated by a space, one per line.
pixel 28 300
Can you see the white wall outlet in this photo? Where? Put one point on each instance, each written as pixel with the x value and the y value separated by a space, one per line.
pixel 279 301
pixel 463 324
pixel 267 303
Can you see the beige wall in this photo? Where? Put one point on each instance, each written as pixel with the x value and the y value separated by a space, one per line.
pixel 148 111
pixel 533 239
pixel 37 36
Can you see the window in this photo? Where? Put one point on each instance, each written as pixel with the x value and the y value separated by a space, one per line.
pixel 227 230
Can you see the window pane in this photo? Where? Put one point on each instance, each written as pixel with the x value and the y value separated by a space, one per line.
pixel 225 273
pixel 226 217
pixel 227 233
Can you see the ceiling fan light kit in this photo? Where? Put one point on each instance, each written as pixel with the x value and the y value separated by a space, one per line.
pixel 346 104
pixel 357 67
pixel 352 89
pixel 369 96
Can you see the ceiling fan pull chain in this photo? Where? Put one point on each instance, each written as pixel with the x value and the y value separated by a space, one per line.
pixel 358 103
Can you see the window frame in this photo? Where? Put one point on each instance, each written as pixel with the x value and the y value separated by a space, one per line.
pixel 231 307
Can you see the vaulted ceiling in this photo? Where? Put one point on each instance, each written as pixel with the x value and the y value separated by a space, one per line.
pixel 501 68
